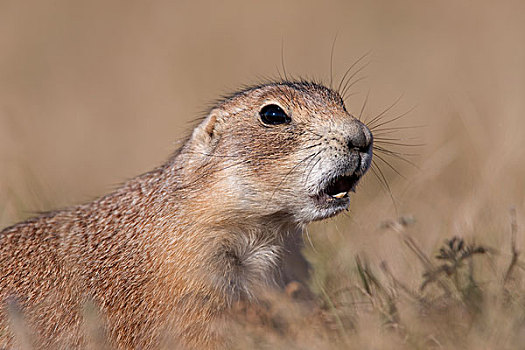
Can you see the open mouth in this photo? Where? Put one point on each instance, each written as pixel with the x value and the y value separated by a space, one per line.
pixel 333 196
pixel 339 187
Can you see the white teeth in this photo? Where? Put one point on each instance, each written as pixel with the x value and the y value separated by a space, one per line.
pixel 340 195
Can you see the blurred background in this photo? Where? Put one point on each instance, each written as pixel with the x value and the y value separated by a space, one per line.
pixel 95 92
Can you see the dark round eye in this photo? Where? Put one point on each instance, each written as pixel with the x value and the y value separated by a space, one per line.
pixel 274 115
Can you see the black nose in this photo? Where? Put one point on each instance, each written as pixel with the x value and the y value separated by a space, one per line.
pixel 360 139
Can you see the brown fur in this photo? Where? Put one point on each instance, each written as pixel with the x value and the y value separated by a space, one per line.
pixel 169 251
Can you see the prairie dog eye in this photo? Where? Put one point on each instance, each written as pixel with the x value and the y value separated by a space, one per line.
pixel 274 115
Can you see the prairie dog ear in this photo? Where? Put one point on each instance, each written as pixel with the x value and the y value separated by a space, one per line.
pixel 207 133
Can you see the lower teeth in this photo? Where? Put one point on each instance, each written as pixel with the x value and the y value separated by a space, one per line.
pixel 340 195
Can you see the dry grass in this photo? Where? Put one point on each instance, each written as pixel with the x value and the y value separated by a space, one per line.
pixel 95 92
pixel 467 296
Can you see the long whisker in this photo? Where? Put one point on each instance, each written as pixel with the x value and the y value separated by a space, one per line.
pixel 305 231
pixel 389 165
pixel 381 148
pixel 399 128
pixel 349 82
pixel 393 152
pixel 396 155
pixel 401 144
pixel 379 179
pixel 312 166
pixel 279 73
pixel 383 138
pixel 345 94
pixel 282 59
pixel 388 188
pixel 353 93
pixel 349 69
pixel 332 61
pixel 372 128
pixel 364 105
pixel 385 110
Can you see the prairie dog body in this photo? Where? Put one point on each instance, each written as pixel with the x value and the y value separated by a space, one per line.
pixel 170 250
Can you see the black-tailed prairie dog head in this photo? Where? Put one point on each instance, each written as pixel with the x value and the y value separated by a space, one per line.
pixel 290 149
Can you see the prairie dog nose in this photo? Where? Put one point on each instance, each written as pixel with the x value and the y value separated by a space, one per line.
pixel 360 138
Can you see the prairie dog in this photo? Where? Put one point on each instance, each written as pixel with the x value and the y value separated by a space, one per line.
pixel 170 250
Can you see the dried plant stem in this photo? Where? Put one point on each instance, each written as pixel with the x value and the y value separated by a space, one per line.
pixel 514 249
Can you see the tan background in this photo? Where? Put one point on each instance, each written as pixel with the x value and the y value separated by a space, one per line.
pixel 95 92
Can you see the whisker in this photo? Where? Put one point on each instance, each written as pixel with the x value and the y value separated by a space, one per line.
pixel 381 148
pixel 313 166
pixel 305 231
pixel 382 138
pixel 282 59
pixel 393 152
pixel 353 83
pixel 349 82
pixel 226 167
pixel 388 188
pixel 379 179
pixel 349 69
pixel 352 94
pixel 364 105
pixel 312 146
pixel 279 73
pixel 316 134
pixel 401 144
pixel 391 120
pixel 395 155
pixel 400 128
pixel 332 62
pixel 385 110
pixel 289 172
pixel 390 166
